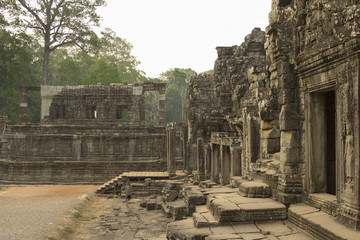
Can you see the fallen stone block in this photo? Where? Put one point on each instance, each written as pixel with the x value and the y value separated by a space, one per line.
pixel 151 205
pixel 255 190
pixel 173 195
pixel 178 210
pixel 195 197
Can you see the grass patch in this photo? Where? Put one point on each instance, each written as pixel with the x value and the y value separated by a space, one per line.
pixel 69 230
pixel 77 215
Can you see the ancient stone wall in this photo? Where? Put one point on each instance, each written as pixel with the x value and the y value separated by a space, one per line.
pixel 295 110
pixel 124 104
pixel 227 101
pixel 85 135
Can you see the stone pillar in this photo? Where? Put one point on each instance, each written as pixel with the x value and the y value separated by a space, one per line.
pixel 290 181
pixel 200 159
pixel 225 164
pixel 207 161
pixel 162 106
pixel 235 161
pixel 215 161
pixel 171 148
pixel 23 106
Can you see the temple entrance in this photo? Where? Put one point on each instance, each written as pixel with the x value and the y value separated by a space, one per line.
pixel 323 159
pixel 225 165
pixel 215 162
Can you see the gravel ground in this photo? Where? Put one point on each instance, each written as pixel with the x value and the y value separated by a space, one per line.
pixel 28 212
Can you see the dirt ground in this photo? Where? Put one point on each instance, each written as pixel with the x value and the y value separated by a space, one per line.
pixel 112 219
pixel 31 212
pixel 74 212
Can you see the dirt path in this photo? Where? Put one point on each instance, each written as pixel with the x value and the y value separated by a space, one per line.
pixel 29 212
pixel 114 219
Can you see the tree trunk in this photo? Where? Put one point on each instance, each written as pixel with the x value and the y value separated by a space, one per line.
pixel 46 66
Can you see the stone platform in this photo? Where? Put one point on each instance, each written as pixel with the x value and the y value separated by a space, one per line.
pixel 235 208
pixel 319 224
pixel 253 230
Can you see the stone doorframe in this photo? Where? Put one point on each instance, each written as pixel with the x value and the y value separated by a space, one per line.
pixel 225 157
pixel 316 142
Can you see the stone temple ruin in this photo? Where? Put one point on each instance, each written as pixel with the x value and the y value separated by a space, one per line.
pixel 87 134
pixel 283 109
pixel 278 119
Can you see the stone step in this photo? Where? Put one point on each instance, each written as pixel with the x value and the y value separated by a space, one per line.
pixel 235 208
pixel 236 181
pixel 192 199
pixel 319 224
pixel 275 156
pixel 203 217
pixel 323 201
pixel 254 190
pixel 269 166
pixel 178 210
pixel 108 186
pixel 165 209
pixel 207 184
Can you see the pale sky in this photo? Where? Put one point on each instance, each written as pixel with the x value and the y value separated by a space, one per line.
pixel 182 33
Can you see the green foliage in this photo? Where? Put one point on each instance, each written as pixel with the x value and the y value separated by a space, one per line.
pixel 124 113
pixel 59 23
pixel 69 230
pixel 152 107
pixel 176 93
pixel 77 214
pixel 18 67
pixel 115 63
pixel 109 61
pixel 65 69
pixel 103 72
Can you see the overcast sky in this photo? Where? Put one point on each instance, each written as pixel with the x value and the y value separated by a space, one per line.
pixel 182 33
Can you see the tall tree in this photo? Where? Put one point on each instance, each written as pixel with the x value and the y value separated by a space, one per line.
pixel 176 93
pixel 59 22
pixel 114 61
pixel 18 67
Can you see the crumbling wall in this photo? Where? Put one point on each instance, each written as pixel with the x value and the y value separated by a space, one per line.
pixel 85 133
pixel 297 107
pixel 227 100
pixel 327 61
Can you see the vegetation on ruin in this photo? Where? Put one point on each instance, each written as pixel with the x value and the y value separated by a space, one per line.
pixel 57 23
pixel 78 56
pixel 176 93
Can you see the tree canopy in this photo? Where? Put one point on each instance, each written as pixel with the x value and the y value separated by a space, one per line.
pixel 58 22
pixel 17 68
pixel 176 93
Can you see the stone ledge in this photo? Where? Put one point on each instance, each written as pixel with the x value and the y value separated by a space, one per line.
pixel 319 224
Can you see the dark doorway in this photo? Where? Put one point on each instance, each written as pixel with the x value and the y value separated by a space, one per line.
pixel 323 163
pixel 330 142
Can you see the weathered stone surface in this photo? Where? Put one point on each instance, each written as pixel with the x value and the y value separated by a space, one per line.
pixel 255 190
pixel 184 229
pixel 235 208
pixel 194 197
pixel 88 134
pixel 178 210
pixel 319 223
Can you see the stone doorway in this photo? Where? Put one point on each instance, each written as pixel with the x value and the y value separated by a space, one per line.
pixel 322 147
pixel 225 165
pixel 215 162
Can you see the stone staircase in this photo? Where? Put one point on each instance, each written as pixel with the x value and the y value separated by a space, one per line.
pixel 266 170
pixel 112 186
